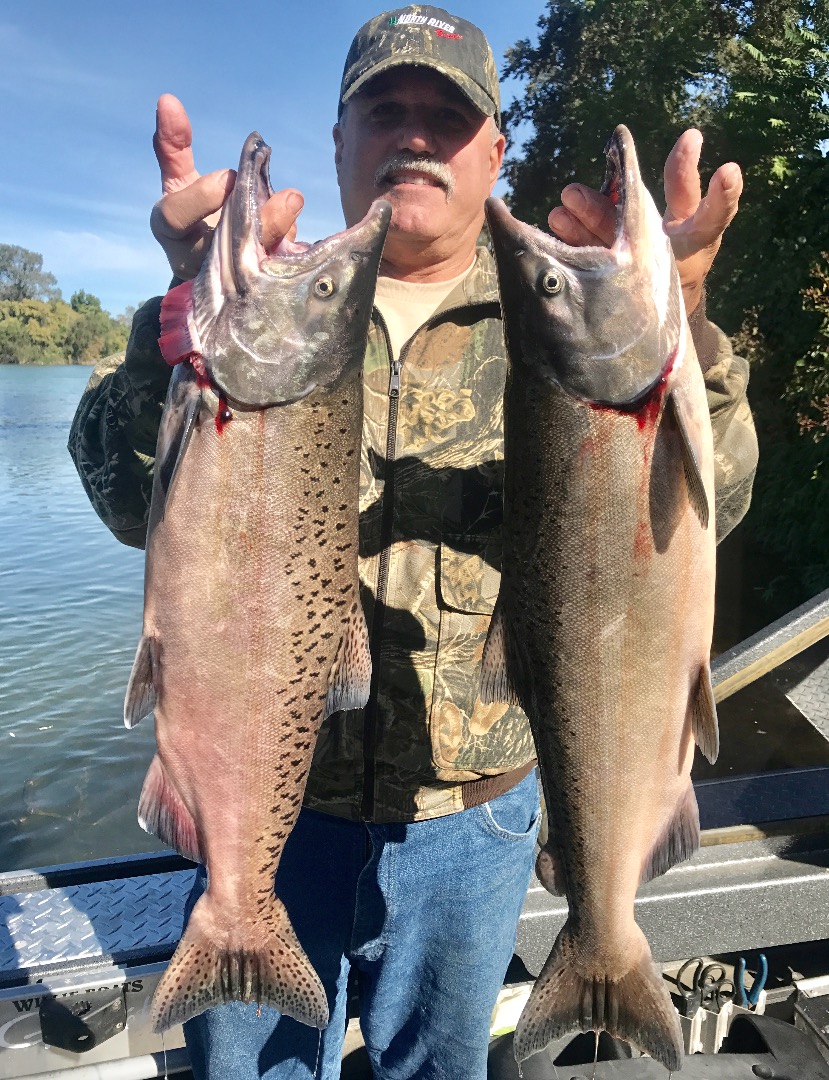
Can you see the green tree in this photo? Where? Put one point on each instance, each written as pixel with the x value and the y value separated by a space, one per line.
pixel 754 76
pixel 34 331
pixel 37 332
pixel 126 316
pixel 22 276
pixel 94 333
pixel 651 65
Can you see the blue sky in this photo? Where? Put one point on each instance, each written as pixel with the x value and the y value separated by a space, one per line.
pixel 79 86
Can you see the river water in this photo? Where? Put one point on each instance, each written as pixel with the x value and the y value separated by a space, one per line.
pixel 70 618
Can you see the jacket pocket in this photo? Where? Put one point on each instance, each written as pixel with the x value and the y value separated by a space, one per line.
pixel 470 739
pixel 469 573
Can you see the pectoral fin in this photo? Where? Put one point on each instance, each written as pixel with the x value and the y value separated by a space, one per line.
pixel 691 454
pixel 180 414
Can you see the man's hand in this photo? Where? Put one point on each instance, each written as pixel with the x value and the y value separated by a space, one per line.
pixel 694 224
pixel 184 218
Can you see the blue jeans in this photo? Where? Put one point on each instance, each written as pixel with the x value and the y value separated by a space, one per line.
pixel 426 913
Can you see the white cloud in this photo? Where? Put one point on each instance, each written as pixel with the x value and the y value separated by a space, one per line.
pixel 77 252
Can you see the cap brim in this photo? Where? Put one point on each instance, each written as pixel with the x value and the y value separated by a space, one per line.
pixel 468 87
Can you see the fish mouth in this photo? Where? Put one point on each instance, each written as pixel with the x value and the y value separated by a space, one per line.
pixel 616 152
pixel 294 256
pixel 274 326
pixel 249 256
pixel 605 322
pixel 624 187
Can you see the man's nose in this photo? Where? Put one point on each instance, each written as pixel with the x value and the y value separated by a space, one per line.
pixel 417 137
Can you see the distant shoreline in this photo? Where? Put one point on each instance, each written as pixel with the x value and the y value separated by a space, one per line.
pixel 56 363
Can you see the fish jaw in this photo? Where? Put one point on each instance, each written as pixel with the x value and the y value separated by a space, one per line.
pixel 269 329
pixel 605 324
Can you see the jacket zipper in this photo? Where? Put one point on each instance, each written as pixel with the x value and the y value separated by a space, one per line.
pixel 386 534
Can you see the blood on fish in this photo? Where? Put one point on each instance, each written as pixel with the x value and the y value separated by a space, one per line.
pixel 196 361
pixel 642 542
pixel 223 416
pixel 645 410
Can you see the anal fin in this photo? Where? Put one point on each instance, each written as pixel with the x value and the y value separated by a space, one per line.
pixel 142 688
pixel 162 813
pixel 704 723
pixel 679 840
pixel 350 679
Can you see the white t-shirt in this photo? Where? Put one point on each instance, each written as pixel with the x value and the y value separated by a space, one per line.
pixel 406 305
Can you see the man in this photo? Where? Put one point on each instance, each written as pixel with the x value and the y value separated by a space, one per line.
pixel 410 860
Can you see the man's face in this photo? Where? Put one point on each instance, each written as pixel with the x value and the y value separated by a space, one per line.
pixel 417 113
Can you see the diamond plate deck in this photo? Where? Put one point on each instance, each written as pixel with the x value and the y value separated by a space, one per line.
pixel 805 682
pixel 133 919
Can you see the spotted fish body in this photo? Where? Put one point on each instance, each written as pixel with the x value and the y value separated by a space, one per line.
pixel 253 630
pixel 602 629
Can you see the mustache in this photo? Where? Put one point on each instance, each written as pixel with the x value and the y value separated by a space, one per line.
pixel 427 166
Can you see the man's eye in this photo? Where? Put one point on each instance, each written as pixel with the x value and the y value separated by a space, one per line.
pixel 386 112
pixel 453 120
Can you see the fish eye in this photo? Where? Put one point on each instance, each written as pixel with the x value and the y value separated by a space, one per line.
pixel 551 282
pixel 324 287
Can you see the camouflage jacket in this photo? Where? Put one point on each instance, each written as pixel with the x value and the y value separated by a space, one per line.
pixel 430 516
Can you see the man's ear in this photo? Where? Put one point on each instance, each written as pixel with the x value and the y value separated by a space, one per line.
pixel 496 159
pixel 338 146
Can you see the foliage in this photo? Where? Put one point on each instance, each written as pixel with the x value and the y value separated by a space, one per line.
pixel 37 327
pixel 125 318
pixel 754 76
pixel 22 276
pixel 53 332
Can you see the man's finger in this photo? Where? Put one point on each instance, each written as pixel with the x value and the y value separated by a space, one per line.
pixel 570 230
pixel 279 215
pixel 682 184
pixel 593 210
pixel 173 143
pixel 175 215
pixel 716 211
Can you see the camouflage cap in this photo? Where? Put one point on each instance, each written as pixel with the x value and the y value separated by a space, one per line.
pixel 430 37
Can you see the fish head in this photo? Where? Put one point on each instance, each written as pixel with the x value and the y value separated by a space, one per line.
pixel 272 327
pixel 603 323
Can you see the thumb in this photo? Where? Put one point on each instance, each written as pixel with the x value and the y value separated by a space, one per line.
pixel 173 144
pixel 181 209
pixel 279 216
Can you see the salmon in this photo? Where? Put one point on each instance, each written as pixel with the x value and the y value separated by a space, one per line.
pixel 602 628
pixel 253 629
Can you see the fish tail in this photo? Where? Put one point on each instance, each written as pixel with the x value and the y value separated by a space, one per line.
pixel 261 962
pixel 568 998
